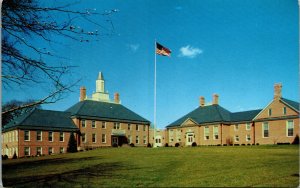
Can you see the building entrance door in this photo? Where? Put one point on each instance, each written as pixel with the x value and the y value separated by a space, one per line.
pixel 189 139
pixel 114 141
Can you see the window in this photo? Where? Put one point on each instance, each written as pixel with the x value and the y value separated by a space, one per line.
pixel 103 138
pixel 265 129
pixel 290 128
pixel 50 136
pixel 50 150
pixel 172 139
pixel 144 128
pixel 248 137
pixel 284 110
pixel 103 125
pixel 270 111
pixel 237 138
pixel 129 127
pixel 39 135
pixel 83 123
pixel 236 127
pixel 94 138
pixel 83 137
pixel 26 151
pixel 137 139
pixel 248 126
pixel 26 135
pixel 38 151
pixel 116 125
pixel 61 150
pixel 61 136
pixel 93 124
pixel 206 133
pixel 216 132
pixel 129 139
pixel 145 139
pixel 137 127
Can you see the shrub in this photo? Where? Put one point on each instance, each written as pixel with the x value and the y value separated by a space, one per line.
pixel 115 145
pixel 177 145
pixel 4 157
pixel 72 144
pixel 14 156
pixel 132 144
pixel 194 144
pixel 166 145
pixel 296 140
pixel 149 145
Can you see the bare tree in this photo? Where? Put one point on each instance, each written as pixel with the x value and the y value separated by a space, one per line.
pixel 27 24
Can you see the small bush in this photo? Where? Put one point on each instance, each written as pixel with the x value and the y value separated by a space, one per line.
pixel 166 145
pixel 194 144
pixel 149 145
pixel 115 145
pixel 296 140
pixel 132 144
pixel 14 156
pixel 177 145
pixel 4 157
pixel 257 144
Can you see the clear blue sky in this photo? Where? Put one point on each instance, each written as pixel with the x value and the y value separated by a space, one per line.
pixel 237 49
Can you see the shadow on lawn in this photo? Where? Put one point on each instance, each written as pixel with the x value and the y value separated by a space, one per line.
pixel 70 178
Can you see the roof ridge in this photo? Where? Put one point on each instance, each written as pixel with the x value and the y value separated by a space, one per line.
pixel 218 110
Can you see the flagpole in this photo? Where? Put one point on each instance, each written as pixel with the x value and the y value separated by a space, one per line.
pixel 154 140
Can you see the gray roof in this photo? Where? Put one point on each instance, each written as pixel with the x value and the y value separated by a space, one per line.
pixel 205 114
pixel 293 104
pixel 105 111
pixel 43 120
pixel 215 114
pixel 244 116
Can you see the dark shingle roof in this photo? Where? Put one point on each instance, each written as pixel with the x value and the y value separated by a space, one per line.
pixel 215 113
pixel 205 114
pixel 43 120
pixel 293 104
pixel 104 110
pixel 244 116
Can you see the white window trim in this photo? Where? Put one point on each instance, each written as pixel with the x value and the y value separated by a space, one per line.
pixel 63 136
pixel 263 135
pixel 206 127
pixel 41 136
pixel 83 120
pixel 145 140
pixel 287 128
pixel 138 127
pixel 284 110
pixel 95 137
pixel 28 136
pixel 216 128
pixel 104 139
pixel 236 125
pixel 95 126
pixel 41 149
pixel 85 135
pixel 236 136
pixel 49 136
pixel 249 127
pixel 137 138
pixel 247 138
pixel 270 112
pixel 103 122
pixel 28 150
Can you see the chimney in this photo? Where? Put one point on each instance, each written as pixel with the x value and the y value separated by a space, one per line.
pixel 82 93
pixel 277 91
pixel 117 98
pixel 215 99
pixel 202 101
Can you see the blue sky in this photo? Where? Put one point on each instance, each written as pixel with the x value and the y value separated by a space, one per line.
pixel 237 49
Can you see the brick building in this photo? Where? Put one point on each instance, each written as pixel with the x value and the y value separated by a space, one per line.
pixel 212 124
pixel 95 121
pixel 39 132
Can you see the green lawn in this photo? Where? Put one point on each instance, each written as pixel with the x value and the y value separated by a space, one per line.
pixel 231 166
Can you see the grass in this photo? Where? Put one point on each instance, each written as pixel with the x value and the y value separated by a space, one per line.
pixel 263 166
